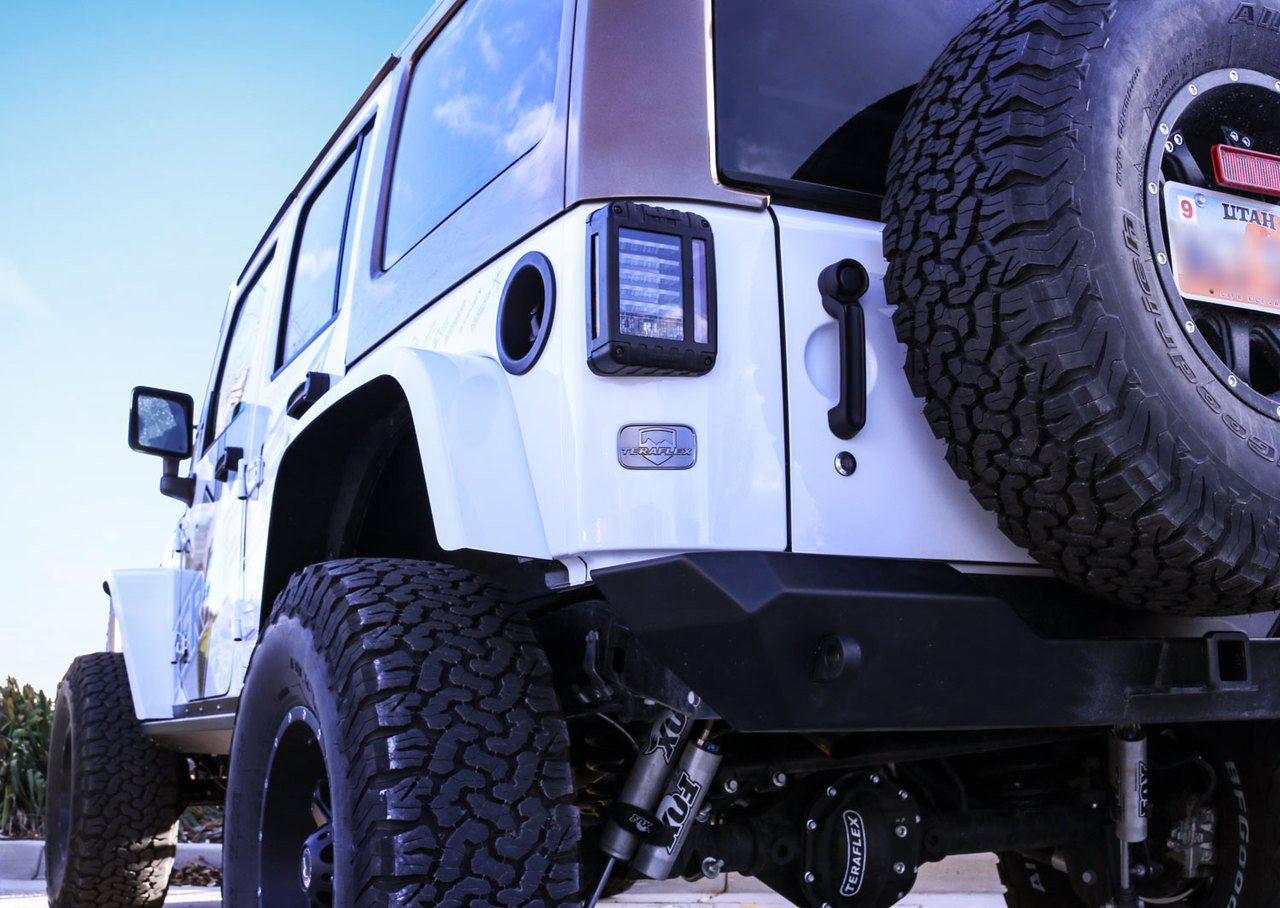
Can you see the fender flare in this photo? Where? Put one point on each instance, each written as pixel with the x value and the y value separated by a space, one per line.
pixel 470 441
pixel 144 603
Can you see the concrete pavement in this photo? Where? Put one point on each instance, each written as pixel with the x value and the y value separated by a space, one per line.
pixel 960 882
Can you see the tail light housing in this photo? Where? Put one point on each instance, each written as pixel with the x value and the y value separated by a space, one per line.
pixel 652 308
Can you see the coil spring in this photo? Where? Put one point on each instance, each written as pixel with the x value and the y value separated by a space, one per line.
pixel 602 757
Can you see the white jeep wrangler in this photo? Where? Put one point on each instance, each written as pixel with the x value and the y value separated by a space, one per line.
pixel 561 513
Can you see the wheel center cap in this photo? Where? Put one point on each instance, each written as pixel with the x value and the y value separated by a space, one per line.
pixel 306 867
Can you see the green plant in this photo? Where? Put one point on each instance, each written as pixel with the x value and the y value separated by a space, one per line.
pixel 25 721
pixel 200 823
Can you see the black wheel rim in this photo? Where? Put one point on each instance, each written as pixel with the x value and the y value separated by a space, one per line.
pixel 1238 107
pixel 296 848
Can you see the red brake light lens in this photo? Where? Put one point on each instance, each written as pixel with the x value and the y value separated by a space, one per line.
pixel 1241 168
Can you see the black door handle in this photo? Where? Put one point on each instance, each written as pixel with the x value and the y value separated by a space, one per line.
pixel 228 463
pixel 311 390
pixel 841 285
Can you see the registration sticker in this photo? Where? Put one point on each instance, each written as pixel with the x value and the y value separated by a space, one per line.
pixel 1223 248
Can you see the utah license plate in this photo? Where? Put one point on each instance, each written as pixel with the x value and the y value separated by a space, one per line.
pixel 1224 248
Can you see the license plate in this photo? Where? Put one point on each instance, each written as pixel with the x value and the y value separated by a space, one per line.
pixel 1224 248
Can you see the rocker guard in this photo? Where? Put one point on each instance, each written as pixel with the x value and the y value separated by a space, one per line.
pixel 787 642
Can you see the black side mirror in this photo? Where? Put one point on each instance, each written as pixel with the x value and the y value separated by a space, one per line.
pixel 160 423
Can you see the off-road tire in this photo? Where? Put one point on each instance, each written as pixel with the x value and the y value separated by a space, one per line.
pixel 112 795
pixel 1041 329
pixel 1247 760
pixel 446 756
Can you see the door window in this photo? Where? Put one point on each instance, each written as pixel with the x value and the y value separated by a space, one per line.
pixel 321 256
pixel 237 360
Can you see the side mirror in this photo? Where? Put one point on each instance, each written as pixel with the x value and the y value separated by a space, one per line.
pixel 160 423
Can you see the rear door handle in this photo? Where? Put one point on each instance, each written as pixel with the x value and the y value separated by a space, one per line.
pixel 313 387
pixel 841 286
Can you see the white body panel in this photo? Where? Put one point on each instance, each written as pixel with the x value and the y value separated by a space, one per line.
pixel 528 464
pixel 903 501
pixel 734 495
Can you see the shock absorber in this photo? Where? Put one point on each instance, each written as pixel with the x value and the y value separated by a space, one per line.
pixel 1129 777
pixel 633 817
pixel 686 790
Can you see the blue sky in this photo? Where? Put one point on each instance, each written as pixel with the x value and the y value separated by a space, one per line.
pixel 144 147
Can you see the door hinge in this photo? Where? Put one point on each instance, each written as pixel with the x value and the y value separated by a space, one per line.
pixel 250 478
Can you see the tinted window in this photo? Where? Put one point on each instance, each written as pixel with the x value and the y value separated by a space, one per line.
pixel 313 298
pixel 812 91
pixel 237 360
pixel 481 97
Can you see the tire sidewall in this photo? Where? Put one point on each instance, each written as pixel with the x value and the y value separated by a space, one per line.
pixel 1154 49
pixel 59 782
pixel 1241 854
pixel 287 670
pixel 1250 755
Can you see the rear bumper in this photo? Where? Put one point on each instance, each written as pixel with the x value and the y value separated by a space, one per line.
pixel 785 642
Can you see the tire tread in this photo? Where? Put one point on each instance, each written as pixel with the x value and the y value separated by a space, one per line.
pixel 460 765
pixel 123 834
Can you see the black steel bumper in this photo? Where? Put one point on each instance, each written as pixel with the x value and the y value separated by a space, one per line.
pixel 776 641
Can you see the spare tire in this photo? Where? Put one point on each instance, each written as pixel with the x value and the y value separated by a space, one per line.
pixel 1126 435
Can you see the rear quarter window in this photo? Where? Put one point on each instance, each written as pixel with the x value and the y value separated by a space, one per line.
pixel 480 97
